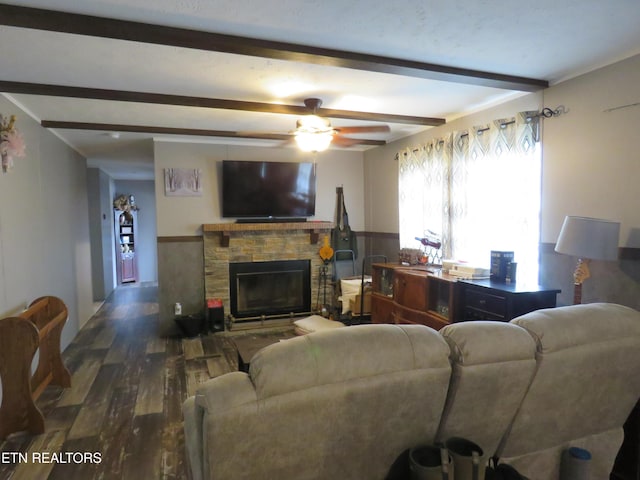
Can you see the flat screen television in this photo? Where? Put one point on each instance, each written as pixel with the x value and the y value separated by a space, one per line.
pixel 268 190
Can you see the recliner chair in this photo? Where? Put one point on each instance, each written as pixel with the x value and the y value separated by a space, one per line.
pixel 586 384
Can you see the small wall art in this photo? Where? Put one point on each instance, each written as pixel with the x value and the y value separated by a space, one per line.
pixel 182 182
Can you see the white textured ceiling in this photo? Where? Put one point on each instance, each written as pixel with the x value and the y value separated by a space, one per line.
pixel 547 40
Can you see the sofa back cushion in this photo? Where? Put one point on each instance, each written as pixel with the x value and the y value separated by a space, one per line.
pixel 341 404
pixel 493 364
pixel 586 384
pixel 359 352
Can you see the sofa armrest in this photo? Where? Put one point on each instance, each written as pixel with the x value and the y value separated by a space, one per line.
pixel 225 392
pixel 193 437
pixel 213 398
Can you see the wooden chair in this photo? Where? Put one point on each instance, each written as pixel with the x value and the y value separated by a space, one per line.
pixel 38 327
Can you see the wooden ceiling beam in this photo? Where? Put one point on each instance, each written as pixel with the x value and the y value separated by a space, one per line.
pixel 56 21
pixel 112 127
pixel 204 102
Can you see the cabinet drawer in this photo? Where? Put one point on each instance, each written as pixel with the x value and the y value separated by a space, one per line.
pixel 480 301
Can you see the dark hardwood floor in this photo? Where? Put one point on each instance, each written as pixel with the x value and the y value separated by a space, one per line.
pixel 122 417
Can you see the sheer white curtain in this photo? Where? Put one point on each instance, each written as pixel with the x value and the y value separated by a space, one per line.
pixel 480 190
pixel 424 193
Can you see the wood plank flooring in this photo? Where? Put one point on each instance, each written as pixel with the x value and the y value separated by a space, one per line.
pixel 124 406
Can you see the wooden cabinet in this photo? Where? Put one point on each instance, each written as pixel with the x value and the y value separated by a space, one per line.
pixel 411 295
pixel 487 300
pixel 125 241
pixel 404 294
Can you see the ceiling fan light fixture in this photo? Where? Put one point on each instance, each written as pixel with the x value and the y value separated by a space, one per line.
pixel 313 142
pixel 314 123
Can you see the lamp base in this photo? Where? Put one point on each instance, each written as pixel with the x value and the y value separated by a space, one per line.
pixel 580 274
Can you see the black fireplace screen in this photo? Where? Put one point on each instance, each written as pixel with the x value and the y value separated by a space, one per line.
pixel 270 288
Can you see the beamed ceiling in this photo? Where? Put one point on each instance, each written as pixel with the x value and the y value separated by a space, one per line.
pixel 108 76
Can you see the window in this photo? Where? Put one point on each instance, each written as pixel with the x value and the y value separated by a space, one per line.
pixel 478 190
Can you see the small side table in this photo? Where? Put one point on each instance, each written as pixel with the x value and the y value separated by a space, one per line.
pixel 491 300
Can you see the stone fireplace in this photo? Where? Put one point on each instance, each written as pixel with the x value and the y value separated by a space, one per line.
pixel 229 244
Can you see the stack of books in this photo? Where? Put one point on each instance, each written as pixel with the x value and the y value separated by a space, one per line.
pixel 464 270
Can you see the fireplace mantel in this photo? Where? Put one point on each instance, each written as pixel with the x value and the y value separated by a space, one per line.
pixel 225 228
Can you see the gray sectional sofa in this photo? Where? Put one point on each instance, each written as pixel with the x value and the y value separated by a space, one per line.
pixel 348 403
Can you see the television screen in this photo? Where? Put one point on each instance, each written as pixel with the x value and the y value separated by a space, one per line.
pixel 268 189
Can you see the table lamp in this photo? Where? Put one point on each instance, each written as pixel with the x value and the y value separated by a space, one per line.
pixel 587 239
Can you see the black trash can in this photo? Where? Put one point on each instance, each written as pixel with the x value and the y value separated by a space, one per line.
pixel 191 325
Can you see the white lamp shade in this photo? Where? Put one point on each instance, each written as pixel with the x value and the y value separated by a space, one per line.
pixel 589 238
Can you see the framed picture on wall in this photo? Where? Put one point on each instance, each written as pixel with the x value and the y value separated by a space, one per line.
pixel 182 182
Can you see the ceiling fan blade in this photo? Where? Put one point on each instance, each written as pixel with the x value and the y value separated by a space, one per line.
pixel 340 141
pixel 262 135
pixel 285 143
pixel 363 129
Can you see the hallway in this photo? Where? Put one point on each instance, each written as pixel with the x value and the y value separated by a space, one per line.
pixel 122 418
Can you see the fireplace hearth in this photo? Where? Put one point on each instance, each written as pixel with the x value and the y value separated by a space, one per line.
pixel 269 289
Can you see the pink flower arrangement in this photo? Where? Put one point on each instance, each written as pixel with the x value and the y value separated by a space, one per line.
pixel 11 142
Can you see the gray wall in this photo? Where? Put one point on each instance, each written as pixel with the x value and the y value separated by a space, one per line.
pixel 182 266
pixel 99 187
pixel 44 231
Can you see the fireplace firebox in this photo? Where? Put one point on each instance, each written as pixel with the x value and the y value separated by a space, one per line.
pixel 269 289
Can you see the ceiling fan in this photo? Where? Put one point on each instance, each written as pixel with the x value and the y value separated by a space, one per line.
pixel 314 133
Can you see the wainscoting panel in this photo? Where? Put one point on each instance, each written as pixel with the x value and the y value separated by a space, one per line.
pixel 180 279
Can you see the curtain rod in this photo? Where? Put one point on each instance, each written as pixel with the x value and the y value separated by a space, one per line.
pixel 545 112
pixel 479 131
